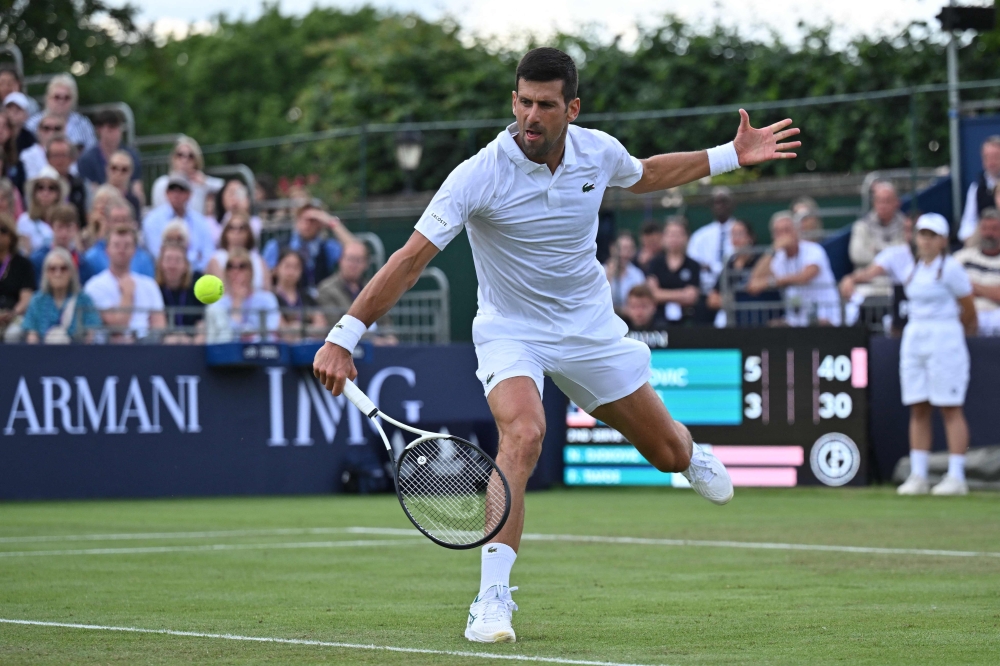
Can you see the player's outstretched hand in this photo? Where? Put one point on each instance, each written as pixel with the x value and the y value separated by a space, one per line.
pixel 333 366
pixel 754 146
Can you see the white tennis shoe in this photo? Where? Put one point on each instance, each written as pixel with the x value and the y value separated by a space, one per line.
pixel 914 485
pixel 950 486
pixel 708 476
pixel 489 616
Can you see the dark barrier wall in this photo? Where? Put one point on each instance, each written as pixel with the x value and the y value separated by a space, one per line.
pixel 890 419
pixel 154 421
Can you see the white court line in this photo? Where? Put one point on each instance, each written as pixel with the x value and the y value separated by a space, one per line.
pixel 296 641
pixel 214 547
pixel 137 536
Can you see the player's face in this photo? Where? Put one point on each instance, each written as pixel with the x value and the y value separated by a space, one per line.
pixel 542 117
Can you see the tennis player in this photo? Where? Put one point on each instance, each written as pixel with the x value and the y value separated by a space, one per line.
pixel 529 201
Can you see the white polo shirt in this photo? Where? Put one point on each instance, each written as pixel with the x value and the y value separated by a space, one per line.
pixel 533 236
pixel 819 296
pixel 103 289
pixel 897 262
pixel 933 290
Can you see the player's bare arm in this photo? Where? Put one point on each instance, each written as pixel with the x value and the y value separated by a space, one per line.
pixel 334 364
pixel 753 146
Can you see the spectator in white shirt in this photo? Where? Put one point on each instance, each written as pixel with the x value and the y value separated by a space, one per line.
pixel 33 158
pixel 801 269
pixel 982 190
pixel 187 159
pixel 131 304
pixel 60 100
pixel 622 273
pixel 711 245
pixel 982 265
pixel 43 194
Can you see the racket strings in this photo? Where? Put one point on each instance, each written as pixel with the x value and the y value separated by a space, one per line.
pixel 451 490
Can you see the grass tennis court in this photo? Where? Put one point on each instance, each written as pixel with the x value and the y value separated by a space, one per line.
pixel 290 568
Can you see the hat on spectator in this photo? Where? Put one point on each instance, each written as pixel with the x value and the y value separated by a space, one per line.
pixel 47 173
pixel 178 179
pixel 933 222
pixel 18 98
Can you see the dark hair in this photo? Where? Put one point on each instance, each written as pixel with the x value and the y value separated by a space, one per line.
pixel 548 64
pixel 640 291
pixel 63 214
pixel 12 68
pixel 112 117
pixel 650 228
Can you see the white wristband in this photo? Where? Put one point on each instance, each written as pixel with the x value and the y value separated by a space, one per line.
pixel 346 332
pixel 723 158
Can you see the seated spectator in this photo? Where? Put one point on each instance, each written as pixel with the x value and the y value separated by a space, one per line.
pixel 65 229
pixel 11 169
pixel 15 110
pixel 119 175
pixel 801 269
pixel 95 226
pixel 736 273
pixel 888 272
pixel 61 155
pixel 650 244
pixel 131 304
pixel 320 254
pixel 237 233
pixel 982 190
pixel 17 281
pixel 235 199
pixel 118 214
pixel 879 228
pixel 59 312
pixel 11 82
pixel 243 313
pixel 10 199
pixel 178 196
pixel 94 161
pixel 674 278
pixel 186 159
pixel 33 158
pixel 183 309
pixel 296 322
pixel 176 233
pixel 982 264
pixel 60 101
pixel 639 313
pixel 710 244
pixel 622 273
pixel 43 194
pixel 337 292
pixel 806 212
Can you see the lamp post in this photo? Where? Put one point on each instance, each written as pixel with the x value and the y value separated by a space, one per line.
pixel 409 149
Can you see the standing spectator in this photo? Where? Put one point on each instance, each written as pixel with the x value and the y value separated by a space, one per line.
pixel 319 254
pixel 60 100
pixel 802 270
pixel 650 244
pixel 97 258
pixel 674 278
pixel 65 229
pixel 243 313
pixel 982 190
pixel 622 273
pixel 17 280
pixel 234 199
pixel 130 304
pixel 43 193
pixel 879 228
pixel 710 245
pixel 61 154
pixel 982 264
pixel 934 357
pixel 296 321
pixel 186 159
pixel 94 161
pixel 337 292
pixel 177 206
pixel 119 176
pixel 59 312
pixel 183 309
pixel 237 233
pixel 639 313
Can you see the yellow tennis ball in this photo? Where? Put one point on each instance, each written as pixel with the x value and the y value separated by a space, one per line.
pixel 208 289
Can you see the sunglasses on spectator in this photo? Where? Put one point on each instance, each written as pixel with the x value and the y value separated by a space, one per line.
pixel 184 156
pixel 57 268
pixel 51 128
pixel 47 188
pixel 121 168
pixel 62 98
pixel 238 227
pixel 238 267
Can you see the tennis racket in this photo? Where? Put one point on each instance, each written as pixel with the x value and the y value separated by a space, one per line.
pixel 450 489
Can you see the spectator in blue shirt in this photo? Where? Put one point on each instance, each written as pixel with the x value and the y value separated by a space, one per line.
pixel 59 311
pixel 319 253
pixel 118 214
pixel 93 162
pixel 202 246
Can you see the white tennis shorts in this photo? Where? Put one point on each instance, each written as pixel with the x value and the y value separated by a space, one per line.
pixel 934 363
pixel 589 373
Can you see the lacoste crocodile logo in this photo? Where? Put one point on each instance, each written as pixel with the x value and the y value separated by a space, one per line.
pixel 488 380
pixel 588 187
pixel 491 549
pixel 338 326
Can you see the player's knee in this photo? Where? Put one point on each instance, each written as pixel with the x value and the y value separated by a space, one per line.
pixel 523 441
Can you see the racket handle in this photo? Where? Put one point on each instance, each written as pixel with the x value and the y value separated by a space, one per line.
pixel 360 400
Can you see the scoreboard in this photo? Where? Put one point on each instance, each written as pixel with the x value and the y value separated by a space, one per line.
pixel 778 406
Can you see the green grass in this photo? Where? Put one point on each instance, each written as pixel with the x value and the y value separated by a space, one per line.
pixel 646 604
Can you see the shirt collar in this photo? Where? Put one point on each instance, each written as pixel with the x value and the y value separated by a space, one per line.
pixel 518 157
